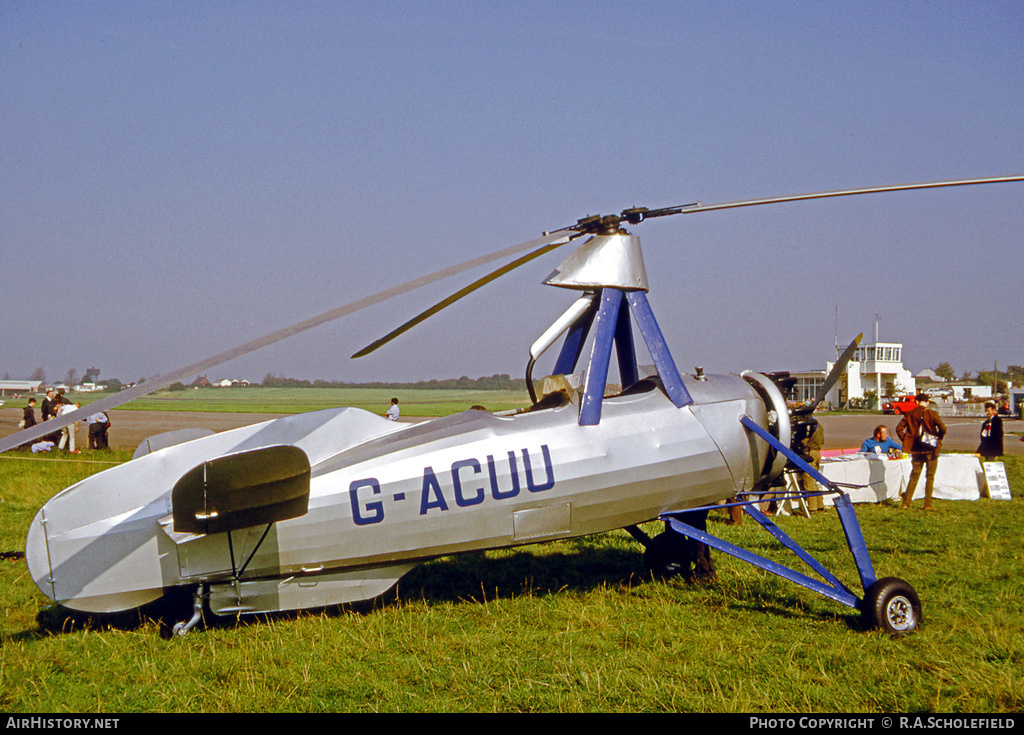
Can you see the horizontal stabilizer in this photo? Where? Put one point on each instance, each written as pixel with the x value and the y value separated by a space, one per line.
pixel 305 591
pixel 241 490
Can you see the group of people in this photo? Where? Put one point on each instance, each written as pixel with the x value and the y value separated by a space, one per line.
pixel 921 431
pixel 56 404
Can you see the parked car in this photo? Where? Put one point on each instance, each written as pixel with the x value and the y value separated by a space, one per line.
pixel 899 405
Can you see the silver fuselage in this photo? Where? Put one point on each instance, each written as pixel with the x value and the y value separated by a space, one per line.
pixel 385 496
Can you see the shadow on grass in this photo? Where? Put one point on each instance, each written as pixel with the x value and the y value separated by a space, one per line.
pixel 469 577
pixel 478 577
pixel 473 578
pixel 852 619
pixel 174 606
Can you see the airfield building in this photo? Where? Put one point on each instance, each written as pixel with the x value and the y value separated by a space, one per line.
pixel 876 368
pixel 20 387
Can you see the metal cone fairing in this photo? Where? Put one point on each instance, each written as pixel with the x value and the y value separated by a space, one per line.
pixel 612 261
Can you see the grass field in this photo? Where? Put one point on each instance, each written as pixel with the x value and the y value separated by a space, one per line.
pixel 413 401
pixel 568 626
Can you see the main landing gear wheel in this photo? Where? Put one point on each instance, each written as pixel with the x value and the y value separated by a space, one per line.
pixel 892 605
pixel 666 556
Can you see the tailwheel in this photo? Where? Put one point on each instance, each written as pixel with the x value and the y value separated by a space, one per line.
pixel 892 605
pixel 181 629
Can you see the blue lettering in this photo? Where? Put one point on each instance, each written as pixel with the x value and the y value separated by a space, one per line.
pixel 461 500
pixel 493 471
pixel 468 492
pixel 431 487
pixel 375 510
pixel 549 472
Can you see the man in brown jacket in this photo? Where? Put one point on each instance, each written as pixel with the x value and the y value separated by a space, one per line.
pixel 921 432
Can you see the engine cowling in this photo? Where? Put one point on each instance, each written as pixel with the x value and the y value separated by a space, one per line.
pixel 778 422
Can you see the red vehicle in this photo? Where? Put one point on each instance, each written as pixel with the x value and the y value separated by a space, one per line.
pixel 899 405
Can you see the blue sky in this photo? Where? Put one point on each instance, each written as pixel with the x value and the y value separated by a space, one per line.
pixel 179 178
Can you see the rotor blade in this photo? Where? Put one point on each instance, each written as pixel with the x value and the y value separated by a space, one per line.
pixel 833 377
pixel 479 283
pixel 693 208
pixel 26 436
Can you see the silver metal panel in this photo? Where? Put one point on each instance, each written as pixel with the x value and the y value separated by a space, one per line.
pixel 538 523
pixel 604 260
pixel 201 557
pixel 304 591
pixel 744 454
pixel 778 419
pixel 99 538
pixel 645 458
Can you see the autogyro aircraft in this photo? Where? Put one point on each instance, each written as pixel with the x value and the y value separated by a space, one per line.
pixel 335 506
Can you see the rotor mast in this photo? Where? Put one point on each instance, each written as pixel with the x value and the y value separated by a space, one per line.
pixel 610 266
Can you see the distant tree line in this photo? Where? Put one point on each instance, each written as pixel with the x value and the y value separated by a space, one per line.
pixel 494 382
pixel 272 380
pixel 1013 373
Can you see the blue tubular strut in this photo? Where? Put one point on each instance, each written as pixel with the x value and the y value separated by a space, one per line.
pixel 658 347
pixel 625 351
pixel 609 317
pixel 600 356
pixel 832 588
pixel 569 355
pixel 843 505
pixel 840 594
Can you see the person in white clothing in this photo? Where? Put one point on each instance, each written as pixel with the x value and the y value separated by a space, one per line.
pixel 394 411
pixel 67 434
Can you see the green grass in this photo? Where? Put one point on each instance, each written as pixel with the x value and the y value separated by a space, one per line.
pixel 567 626
pixel 413 402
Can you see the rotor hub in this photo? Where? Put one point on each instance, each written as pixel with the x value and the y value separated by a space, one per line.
pixel 597 224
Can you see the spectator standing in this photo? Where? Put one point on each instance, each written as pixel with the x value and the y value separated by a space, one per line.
pixel 810 440
pixel 921 432
pixel 49 411
pixel 67 434
pixel 991 445
pixel 49 407
pixel 29 419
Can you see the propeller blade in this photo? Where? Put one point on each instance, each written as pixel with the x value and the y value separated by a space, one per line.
pixel 479 283
pixel 833 377
pixel 26 436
